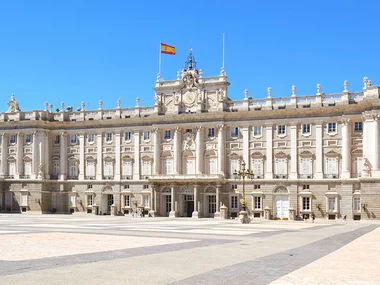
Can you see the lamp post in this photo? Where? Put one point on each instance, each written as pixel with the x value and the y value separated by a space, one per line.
pixel 243 173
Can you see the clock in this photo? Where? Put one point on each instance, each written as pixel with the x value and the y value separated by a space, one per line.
pixel 189 98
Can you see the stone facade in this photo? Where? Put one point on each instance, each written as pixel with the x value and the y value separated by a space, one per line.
pixel 304 154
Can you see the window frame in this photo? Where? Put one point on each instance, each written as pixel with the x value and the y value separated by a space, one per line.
pixel 281 130
pixel 358 127
pixel 332 128
pixel 235 132
pixel 211 133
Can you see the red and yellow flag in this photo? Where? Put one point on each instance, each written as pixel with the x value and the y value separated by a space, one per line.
pixel 166 49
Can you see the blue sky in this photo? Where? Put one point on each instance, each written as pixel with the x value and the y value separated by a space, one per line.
pixel 91 50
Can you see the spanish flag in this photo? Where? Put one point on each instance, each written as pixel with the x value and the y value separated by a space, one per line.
pixel 166 49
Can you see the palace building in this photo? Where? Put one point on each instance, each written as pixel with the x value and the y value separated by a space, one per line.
pixel 306 154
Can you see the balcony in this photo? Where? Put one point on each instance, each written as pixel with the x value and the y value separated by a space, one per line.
pixel 305 176
pixel 280 176
pixel 331 176
pixel 72 177
pixel 24 176
pixel 126 177
pixel 90 177
pixel 54 177
pixel 107 177
pixel 144 176
pixel 9 177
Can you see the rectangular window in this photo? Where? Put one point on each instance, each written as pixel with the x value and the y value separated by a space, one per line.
pixel 332 204
pixel 146 201
pixel 235 166
pixel 356 205
pixel 90 199
pixel 89 186
pixel 108 169
pixel 306 166
pixel 127 169
pixel 257 131
pixel 91 138
pixel 146 136
pixel 306 203
pixel 234 187
pixel 57 139
pixel 12 168
pixel 126 186
pixel 332 166
pixel 235 132
pixel 306 129
pixel 146 186
pixel 127 136
pixel 306 187
pixel 27 168
pixel 127 200
pixel 257 167
pixel 281 130
pixel 24 199
pixel 281 166
pixel 189 131
pixel 190 166
pixel 358 127
pixel 167 135
pixel 28 138
pixel 90 169
pixel 73 139
pixel 211 133
pixel 357 166
pixel 256 186
pixel 13 139
pixel 212 166
pixel 146 168
pixel 234 202
pixel 109 137
pixel 73 169
pixel 168 166
pixel 257 203
pixel 331 128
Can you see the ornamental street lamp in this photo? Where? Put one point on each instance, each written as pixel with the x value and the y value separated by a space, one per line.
pixel 243 173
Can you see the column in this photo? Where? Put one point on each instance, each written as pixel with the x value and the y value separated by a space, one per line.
pixel 20 152
pixel 318 150
pixel 4 141
pixel 118 156
pixel 176 139
pixel 99 157
pixel 217 213
pixel 156 154
pixel 40 156
pixel 375 147
pixel 245 131
pixel 153 211
pixel 346 148
pixel 199 151
pixel 269 154
pixel 46 155
pixel 172 213
pixel 136 145
pixel 195 213
pixel 81 157
pixel 35 156
pixel 293 152
pixel 63 156
pixel 221 149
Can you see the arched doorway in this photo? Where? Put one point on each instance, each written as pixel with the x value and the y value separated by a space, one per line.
pixel 107 200
pixel 281 203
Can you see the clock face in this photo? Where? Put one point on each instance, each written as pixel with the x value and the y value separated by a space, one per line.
pixel 189 98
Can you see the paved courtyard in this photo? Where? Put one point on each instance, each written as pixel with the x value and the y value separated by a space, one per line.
pixel 86 249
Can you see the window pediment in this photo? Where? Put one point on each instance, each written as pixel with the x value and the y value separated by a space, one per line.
pixel 257 155
pixel 306 154
pixel 281 155
pixel 332 153
pixel 166 154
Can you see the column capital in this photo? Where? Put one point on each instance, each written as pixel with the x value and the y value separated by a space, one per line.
pixel 62 134
pixel 175 129
pixel 155 130
pixel 221 127
pixel 20 134
pixel 199 128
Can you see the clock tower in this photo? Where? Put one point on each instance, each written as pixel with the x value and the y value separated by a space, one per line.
pixel 191 92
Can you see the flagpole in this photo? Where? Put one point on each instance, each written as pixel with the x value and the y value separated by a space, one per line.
pixel 159 61
pixel 223 52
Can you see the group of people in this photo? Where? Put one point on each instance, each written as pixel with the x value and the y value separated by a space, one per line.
pixel 312 217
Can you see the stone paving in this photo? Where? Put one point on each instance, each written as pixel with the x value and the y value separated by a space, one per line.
pixel 86 249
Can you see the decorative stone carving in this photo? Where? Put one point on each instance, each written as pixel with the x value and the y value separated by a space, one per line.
pixel 137 102
pixel 294 88
pixel 189 141
pixel 345 86
pixel 158 77
pixel 46 106
pixel 13 105
pixel 365 81
pixel 199 96
pixel 157 99
pixel 221 95
pixel 200 73
pixel 82 106
pixel 269 92
pixel 62 107
pixel 178 75
pixel 100 104
pixel 246 94
pixel 118 103
pixel 318 89
pixel 222 72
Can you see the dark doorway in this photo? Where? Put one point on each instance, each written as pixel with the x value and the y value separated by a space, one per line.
pixel 189 208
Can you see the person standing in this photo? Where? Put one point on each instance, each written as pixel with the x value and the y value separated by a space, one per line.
pixel 313 217
pixel 344 219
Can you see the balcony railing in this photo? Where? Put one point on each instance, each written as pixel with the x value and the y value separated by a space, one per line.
pixel 331 176
pixel 24 176
pixel 126 177
pixel 72 177
pixel 305 176
pixel 54 177
pixel 90 177
pixel 108 177
pixel 280 176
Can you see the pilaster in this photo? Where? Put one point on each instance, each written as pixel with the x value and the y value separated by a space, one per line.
pixel 63 156
pixel 4 141
pixel 99 156
pixel 117 155
pixel 156 158
pixel 35 156
pixel 81 157
pixel 46 155
pixel 172 213
pixel 245 131
pixel 346 148
pixel 20 152
pixel 195 214
pixel 199 150
pixel 269 153
pixel 137 164
pixel 176 139
pixel 221 149
pixel 293 151
pixel 319 150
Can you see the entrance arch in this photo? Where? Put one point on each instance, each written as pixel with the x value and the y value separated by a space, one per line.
pixel 281 203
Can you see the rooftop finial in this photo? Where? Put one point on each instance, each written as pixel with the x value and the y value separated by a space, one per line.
pixel 191 64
